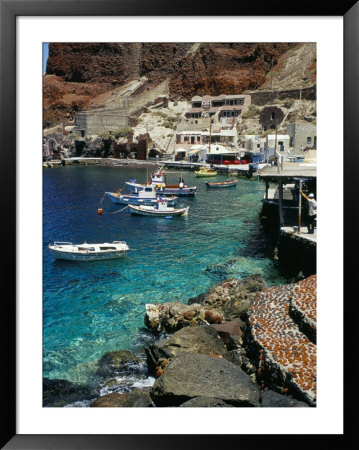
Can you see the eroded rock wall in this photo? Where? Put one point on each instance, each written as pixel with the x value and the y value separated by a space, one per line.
pixel 77 73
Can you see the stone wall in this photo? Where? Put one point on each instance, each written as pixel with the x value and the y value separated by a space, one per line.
pixel 296 254
pixel 88 123
pixel 299 133
pixel 270 116
pixel 262 98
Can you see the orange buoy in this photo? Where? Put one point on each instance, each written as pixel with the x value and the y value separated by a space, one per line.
pixel 100 211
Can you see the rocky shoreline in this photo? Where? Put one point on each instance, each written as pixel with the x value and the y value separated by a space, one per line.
pixel 240 344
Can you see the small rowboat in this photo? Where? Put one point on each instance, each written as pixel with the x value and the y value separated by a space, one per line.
pixel 88 252
pixel 221 184
pixel 205 172
pixel 161 210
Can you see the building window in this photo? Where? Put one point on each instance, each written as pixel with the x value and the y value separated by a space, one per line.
pixel 309 140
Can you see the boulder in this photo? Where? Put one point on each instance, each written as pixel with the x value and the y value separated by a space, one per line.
pixel 172 316
pixel 119 362
pixel 133 399
pixel 191 375
pixel 58 393
pixel 232 296
pixel 230 333
pixel 241 296
pixel 239 358
pixel 272 399
pixel 205 402
pixel 203 340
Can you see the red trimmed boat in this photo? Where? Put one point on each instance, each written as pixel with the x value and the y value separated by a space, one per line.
pixel 221 184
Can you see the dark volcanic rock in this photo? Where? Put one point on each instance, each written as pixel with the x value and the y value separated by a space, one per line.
pixel 192 375
pixel 272 399
pixel 230 333
pixel 205 402
pixel 203 340
pixel 133 399
pixel 121 361
pixel 58 393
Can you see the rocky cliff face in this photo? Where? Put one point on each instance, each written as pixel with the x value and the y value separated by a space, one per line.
pixel 79 72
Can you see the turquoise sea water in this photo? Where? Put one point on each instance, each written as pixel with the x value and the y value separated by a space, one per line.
pixel 90 308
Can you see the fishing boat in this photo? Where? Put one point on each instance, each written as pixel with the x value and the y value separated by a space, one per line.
pixel 158 179
pixel 205 172
pixel 146 196
pixel 88 252
pixel 161 210
pixel 221 184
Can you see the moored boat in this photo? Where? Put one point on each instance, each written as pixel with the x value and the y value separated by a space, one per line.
pixel 158 179
pixel 205 172
pixel 161 210
pixel 146 196
pixel 88 252
pixel 221 184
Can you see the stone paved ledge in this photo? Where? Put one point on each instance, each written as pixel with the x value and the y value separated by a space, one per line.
pixel 284 350
pixel 303 307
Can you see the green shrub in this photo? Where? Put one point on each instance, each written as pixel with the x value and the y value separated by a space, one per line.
pixel 252 111
pixel 105 135
pixel 122 132
pixel 74 137
pixel 288 103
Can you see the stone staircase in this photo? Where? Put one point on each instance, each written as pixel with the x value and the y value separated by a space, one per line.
pixel 282 338
pixel 147 97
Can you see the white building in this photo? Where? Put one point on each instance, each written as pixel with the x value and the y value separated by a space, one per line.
pixel 283 141
pixel 253 142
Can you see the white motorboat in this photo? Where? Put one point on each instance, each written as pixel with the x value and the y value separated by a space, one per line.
pixel 88 252
pixel 161 210
pixel 143 196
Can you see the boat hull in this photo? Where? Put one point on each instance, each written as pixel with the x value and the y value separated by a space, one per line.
pixel 123 199
pixel 221 184
pixel 88 252
pixel 67 256
pixel 151 213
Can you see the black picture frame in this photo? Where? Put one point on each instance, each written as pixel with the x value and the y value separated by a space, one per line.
pixel 9 10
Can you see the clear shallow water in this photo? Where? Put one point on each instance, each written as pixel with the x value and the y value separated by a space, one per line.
pixel 90 308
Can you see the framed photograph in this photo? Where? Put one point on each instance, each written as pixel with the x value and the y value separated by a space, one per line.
pixel 111 112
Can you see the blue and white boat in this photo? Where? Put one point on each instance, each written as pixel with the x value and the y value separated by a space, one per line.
pixel 158 179
pixel 146 195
